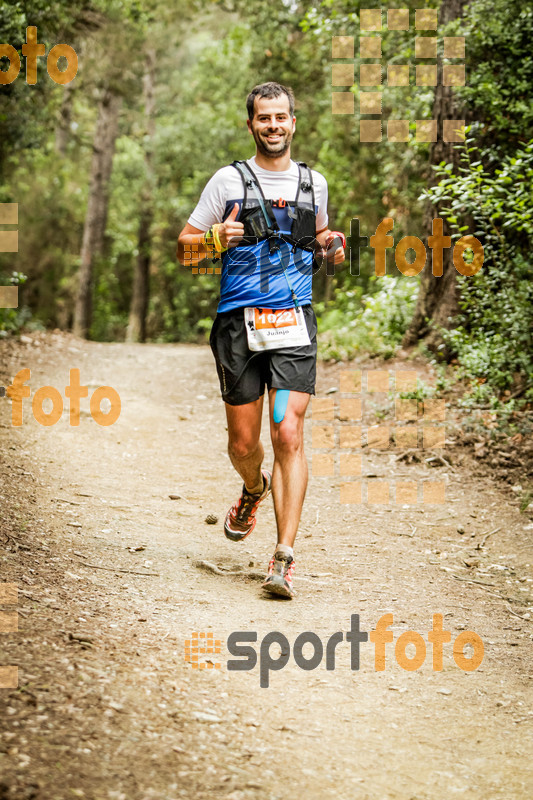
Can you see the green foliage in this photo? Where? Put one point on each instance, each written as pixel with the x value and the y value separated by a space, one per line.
pixel 493 336
pixel 374 323
pixel 208 56
pixel 51 210
pixel 526 498
pixel 499 65
pixel 422 391
pixel 13 319
pixel 25 118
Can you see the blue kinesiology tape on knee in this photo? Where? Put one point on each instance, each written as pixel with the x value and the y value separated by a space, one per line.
pixel 280 404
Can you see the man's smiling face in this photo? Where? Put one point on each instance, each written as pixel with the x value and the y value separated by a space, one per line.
pixel 272 126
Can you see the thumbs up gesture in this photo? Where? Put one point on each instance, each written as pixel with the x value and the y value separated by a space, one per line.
pixel 231 232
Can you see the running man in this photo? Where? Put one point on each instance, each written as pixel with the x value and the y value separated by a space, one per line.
pixel 265 218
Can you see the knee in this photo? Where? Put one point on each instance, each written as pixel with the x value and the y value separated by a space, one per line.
pixel 241 448
pixel 287 437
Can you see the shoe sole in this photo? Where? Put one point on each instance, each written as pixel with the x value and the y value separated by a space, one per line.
pixel 277 586
pixel 236 537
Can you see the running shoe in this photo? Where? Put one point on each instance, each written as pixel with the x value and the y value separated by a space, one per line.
pixel 240 519
pixel 279 577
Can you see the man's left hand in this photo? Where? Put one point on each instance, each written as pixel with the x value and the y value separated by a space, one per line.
pixel 326 239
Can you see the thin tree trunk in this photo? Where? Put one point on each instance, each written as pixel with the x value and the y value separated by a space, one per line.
pixel 141 280
pixel 64 119
pixel 437 301
pixel 96 218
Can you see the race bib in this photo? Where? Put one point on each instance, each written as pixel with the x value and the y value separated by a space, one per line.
pixel 272 328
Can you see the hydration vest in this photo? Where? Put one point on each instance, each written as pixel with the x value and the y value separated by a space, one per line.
pixel 258 218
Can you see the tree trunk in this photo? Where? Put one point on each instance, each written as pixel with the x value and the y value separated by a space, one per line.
pixel 64 119
pixel 96 217
pixel 437 301
pixel 141 280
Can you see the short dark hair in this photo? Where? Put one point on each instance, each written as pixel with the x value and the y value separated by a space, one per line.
pixel 268 90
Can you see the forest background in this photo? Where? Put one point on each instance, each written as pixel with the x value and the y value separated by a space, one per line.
pixel 107 169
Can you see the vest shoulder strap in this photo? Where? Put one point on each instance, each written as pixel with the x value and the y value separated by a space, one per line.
pixel 305 181
pixel 249 179
pixel 238 166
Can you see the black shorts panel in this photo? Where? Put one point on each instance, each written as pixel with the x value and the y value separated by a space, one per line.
pixel 243 374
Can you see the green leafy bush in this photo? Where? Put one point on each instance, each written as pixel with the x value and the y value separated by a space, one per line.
pixel 374 323
pixel 493 335
pixel 13 319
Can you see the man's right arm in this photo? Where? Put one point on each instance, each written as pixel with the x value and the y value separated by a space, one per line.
pixel 191 246
pixel 191 241
pixel 209 211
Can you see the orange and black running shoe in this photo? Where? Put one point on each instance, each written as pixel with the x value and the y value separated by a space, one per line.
pixel 240 519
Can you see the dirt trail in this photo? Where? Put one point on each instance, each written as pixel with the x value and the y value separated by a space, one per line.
pixel 108 708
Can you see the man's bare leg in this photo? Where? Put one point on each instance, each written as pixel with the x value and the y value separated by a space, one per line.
pixel 289 475
pixel 244 445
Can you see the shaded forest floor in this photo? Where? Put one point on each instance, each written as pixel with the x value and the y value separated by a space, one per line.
pixel 114 577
